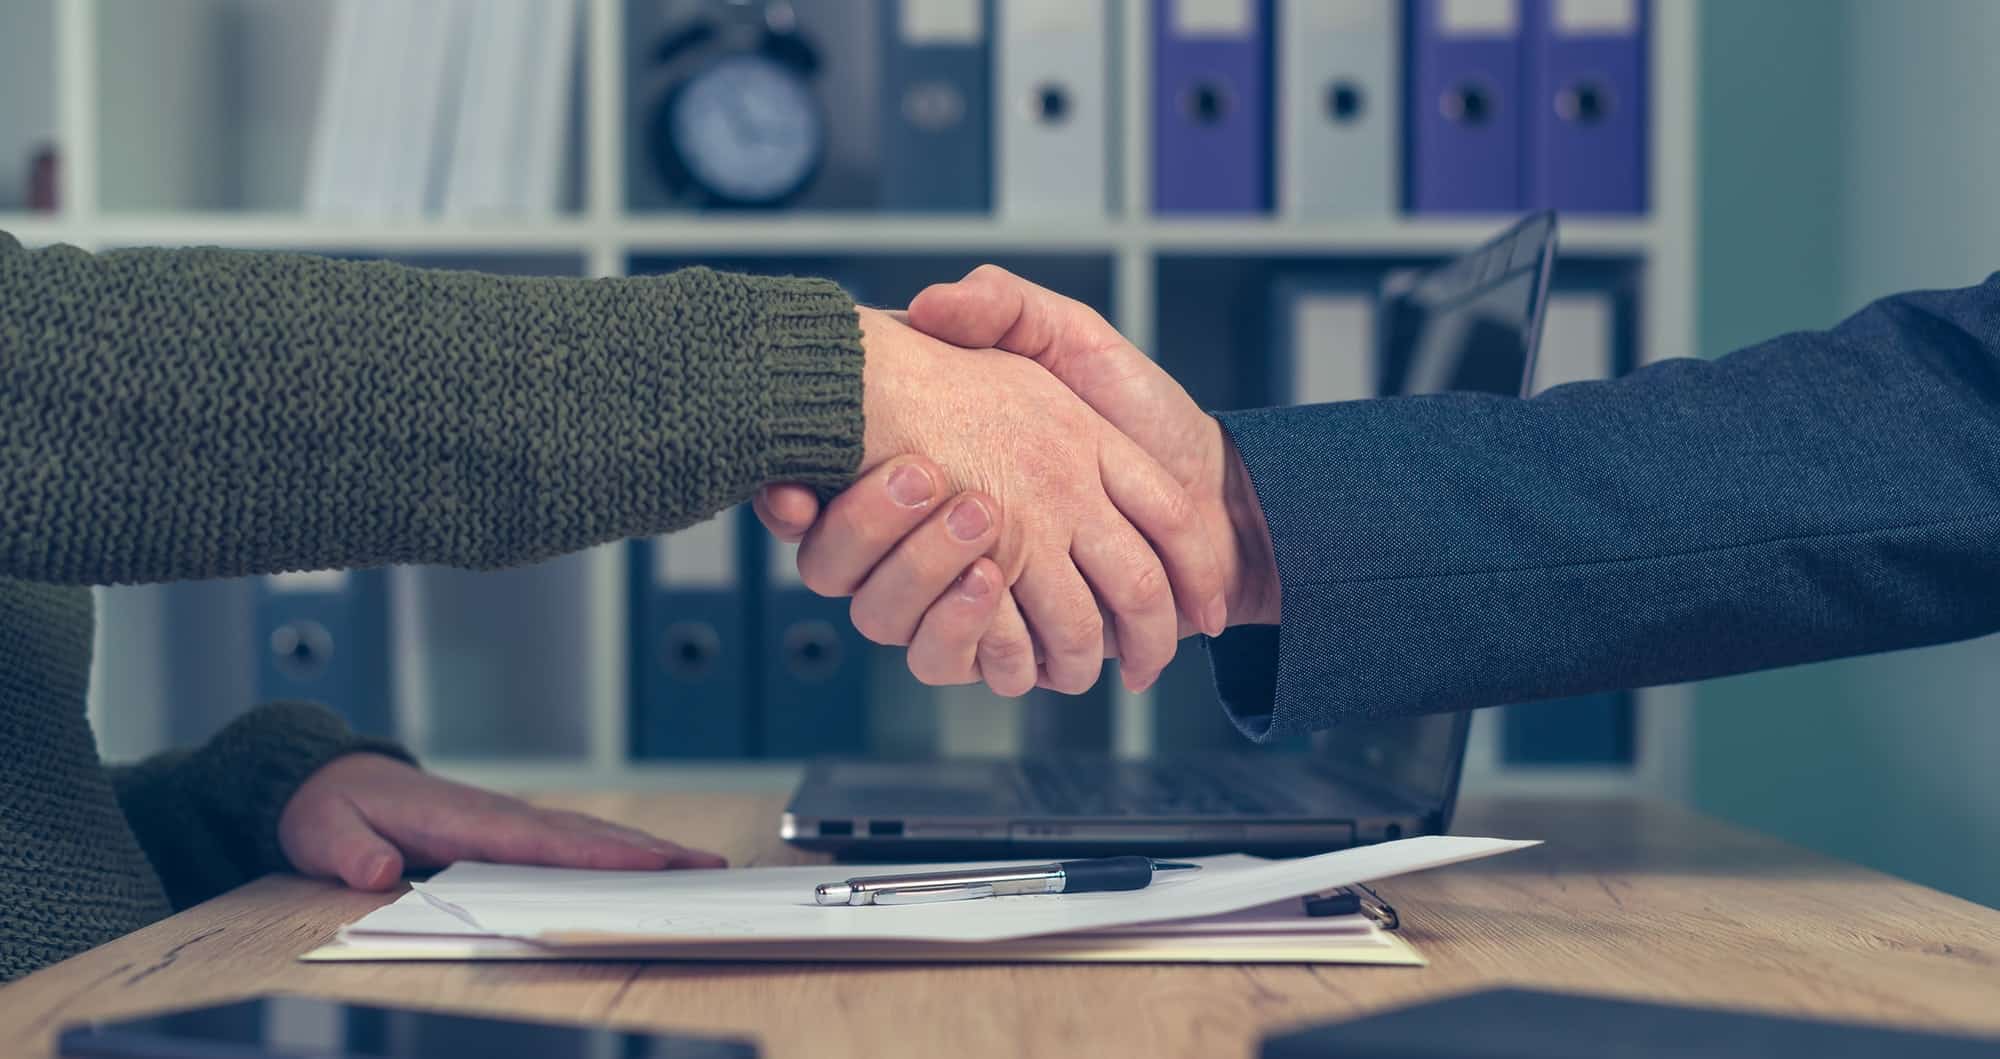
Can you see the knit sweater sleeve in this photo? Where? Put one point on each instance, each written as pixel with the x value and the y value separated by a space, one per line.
pixel 169 414
pixel 208 818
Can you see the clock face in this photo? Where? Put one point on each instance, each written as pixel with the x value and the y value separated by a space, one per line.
pixel 748 129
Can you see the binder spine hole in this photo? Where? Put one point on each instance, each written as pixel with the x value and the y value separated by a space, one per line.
pixel 1470 103
pixel 1208 102
pixel 1344 102
pixel 1051 104
pixel 1586 103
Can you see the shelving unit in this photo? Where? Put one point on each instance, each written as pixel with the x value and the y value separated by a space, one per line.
pixel 605 236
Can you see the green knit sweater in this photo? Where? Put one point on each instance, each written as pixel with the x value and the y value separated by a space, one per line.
pixel 170 414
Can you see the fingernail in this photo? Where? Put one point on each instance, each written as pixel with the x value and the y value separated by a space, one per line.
pixel 968 521
pixel 377 866
pixel 910 486
pixel 1215 618
pixel 972 586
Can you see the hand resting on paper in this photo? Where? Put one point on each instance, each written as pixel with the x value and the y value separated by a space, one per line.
pixel 365 819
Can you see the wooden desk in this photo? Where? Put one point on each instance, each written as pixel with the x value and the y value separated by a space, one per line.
pixel 1628 898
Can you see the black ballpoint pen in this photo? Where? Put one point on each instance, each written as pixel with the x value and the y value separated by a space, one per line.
pixel 1056 877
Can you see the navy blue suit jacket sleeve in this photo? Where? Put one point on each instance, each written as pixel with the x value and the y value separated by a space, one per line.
pixel 1822 494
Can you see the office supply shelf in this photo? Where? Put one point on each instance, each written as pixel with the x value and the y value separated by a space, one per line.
pixel 605 236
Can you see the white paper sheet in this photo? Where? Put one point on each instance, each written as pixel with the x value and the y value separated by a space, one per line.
pixel 775 904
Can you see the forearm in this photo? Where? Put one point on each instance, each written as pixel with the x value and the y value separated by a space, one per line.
pixel 204 413
pixel 208 818
pixel 1820 495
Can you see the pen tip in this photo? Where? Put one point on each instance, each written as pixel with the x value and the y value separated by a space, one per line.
pixel 1175 865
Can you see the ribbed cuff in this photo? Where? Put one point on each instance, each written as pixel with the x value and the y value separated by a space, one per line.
pixel 814 406
pixel 246 774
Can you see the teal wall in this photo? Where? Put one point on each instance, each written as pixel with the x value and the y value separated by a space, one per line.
pixel 1847 152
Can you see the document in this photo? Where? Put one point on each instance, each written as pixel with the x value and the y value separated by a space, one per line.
pixel 754 906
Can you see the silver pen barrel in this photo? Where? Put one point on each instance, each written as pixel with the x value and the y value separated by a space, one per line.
pixel 941 886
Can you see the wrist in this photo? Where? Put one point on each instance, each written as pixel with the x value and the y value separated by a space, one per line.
pixel 1255 595
pixel 883 374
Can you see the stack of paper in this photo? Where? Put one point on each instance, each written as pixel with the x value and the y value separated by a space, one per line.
pixel 1237 909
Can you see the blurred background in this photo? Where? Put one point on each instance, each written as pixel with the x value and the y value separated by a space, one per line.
pixel 1228 180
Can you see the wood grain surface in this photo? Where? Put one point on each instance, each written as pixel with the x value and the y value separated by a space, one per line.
pixel 1629 898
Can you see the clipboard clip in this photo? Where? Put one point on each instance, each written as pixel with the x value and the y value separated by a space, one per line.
pixel 1359 899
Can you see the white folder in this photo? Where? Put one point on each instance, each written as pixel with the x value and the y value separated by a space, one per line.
pixel 1339 107
pixel 1577 340
pixel 1054 122
pixel 1326 334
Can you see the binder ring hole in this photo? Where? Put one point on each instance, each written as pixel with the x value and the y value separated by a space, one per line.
pixel 812 650
pixel 1585 103
pixel 934 106
pixel 690 649
pixel 301 650
pixel 1051 104
pixel 1208 102
pixel 1344 101
pixel 1470 103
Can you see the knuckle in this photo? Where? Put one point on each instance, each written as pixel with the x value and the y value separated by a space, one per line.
pixel 1080 632
pixel 932 672
pixel 1010 653
pixel 817 579
pixel 1150 589
pixel 1074 682
pixel 875 627
pixel 1176 511
pixel 989 273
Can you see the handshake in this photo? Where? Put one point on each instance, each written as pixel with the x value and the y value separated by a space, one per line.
pixel 1036 496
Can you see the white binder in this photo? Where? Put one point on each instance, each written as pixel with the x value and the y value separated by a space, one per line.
pixel 1577 340
pixel 1325 339
pixel 1339 107
pixel 1054 118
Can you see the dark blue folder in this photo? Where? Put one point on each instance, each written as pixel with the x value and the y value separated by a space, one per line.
pixel 690 665
pixel 323 637
pixel 937 107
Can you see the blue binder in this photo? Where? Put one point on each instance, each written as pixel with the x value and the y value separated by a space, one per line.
pixel 937 107
pixel 1463 111
pixel 813 675
pixel 690 671
pixel 1211 106
pixel 323 637
pixel 1587 113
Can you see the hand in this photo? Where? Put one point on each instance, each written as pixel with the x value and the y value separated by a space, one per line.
pixel 991 306
pixel 994 307
pixel 365 819
pixel 1091 517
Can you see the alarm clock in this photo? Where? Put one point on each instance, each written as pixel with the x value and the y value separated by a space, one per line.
pixel 739 125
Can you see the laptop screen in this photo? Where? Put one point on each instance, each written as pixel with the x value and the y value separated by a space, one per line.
pixel 1471 324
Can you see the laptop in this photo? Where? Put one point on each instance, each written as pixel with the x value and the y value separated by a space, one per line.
pixel 1472 323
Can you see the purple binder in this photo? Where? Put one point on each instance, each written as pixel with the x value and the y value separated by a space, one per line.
pixel 1211 107
pixel 1463 113
pixel 1586 75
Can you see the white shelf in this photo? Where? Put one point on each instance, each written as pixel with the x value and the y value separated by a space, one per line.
pixel 821 233
pixel 289 231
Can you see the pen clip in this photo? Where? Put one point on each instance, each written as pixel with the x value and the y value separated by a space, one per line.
pixel 1375 908
pixel 923 895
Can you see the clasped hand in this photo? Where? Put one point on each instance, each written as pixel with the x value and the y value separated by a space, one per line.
pixel 1128 520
